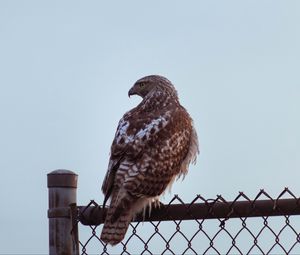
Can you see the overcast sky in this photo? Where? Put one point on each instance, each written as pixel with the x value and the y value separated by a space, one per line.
pixel 66 68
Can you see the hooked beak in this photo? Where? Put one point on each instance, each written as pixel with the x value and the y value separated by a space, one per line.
pixel 131 92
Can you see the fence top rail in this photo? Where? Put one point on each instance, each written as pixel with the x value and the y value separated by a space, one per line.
pixel 93 214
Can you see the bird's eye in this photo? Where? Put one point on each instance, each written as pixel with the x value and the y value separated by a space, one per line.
pixel 142 84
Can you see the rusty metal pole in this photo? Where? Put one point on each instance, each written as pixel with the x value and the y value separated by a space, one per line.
pixel 62 185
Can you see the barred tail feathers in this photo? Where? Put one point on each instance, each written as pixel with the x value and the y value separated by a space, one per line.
pixel 118 218
pixel 114 232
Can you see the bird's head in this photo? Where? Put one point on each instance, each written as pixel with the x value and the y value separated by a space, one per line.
pixel 147 84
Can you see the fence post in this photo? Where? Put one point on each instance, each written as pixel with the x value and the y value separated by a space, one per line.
pixel 62 185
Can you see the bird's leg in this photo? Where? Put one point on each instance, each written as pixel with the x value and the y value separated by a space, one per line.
pixel 157 204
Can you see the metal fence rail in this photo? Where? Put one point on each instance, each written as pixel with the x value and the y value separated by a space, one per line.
pixel 207 227
pixel 259 225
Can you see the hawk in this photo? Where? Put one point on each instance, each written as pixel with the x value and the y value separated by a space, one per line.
pixel 154 143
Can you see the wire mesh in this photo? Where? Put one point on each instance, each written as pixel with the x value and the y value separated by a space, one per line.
pixel 263 225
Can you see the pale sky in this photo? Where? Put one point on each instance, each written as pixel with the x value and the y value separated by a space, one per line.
pixel 66 68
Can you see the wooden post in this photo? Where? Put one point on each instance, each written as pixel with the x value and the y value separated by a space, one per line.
pixel 62 185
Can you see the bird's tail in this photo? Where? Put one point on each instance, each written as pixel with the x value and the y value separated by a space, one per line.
pixel 113 232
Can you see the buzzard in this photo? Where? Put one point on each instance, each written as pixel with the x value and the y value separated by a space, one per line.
pixel 154 143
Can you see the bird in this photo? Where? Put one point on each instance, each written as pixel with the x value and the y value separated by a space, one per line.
pixel 154 144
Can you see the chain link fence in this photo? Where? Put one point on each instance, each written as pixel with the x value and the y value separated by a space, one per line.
pixel 263 225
